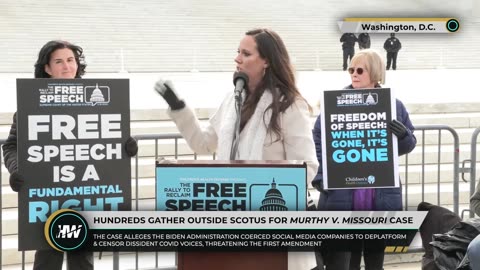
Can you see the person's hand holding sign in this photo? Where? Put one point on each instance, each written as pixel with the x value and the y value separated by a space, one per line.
pixel 16 181
pixel 131 147
pixel 397 128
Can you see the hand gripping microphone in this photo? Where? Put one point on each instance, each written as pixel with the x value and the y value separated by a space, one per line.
pixel 240 80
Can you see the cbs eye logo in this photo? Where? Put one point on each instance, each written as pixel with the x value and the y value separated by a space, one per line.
pixel 66 230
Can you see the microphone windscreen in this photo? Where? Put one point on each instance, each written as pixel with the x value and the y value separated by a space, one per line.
pixel 240 76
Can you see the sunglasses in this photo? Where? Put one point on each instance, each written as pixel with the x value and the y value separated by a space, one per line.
pixel 352 70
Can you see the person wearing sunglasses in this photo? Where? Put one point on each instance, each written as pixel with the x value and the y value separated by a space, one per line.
pixel 367 70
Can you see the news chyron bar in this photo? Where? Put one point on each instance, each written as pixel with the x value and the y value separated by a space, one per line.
pixel 399 25
pixel 68 230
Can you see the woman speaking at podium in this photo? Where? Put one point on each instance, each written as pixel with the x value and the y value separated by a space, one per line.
pixel 274 122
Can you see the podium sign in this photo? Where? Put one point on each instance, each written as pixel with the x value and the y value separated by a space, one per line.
pixel 231 186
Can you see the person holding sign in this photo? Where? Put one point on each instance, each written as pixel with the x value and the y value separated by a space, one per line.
pixel 274 117
pixel 58 60
pixel 367 71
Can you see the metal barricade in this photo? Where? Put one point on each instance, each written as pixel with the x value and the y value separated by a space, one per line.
pixel 473 166
pixel 176 137
pixel 421 135
pixel 424 133
pixel 2 142
pixel 146 152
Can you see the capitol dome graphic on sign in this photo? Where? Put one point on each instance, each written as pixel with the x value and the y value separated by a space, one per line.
pixel 273 200
pixel 97 95
pixel 370 100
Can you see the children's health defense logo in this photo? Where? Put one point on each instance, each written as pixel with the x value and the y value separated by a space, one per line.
pixel 354 180
pixel 357 99
pixel 371 179
pixel 66 230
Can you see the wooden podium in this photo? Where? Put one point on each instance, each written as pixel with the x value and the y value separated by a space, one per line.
pixel 267 176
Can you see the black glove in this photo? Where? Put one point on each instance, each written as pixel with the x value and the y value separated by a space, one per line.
pixel 324 191
pixel 16 181
pixel 318 185
pixel 310 204
pixel 167 91
pixel 131 147
pixel 398 129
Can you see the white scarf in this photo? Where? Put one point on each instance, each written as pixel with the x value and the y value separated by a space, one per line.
pixel 250 147
pixel 252 137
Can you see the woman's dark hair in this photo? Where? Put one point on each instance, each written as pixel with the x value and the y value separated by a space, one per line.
pixel 279 78
pixel 49 48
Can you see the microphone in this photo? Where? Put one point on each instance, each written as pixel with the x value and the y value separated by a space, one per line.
pixel 240 80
